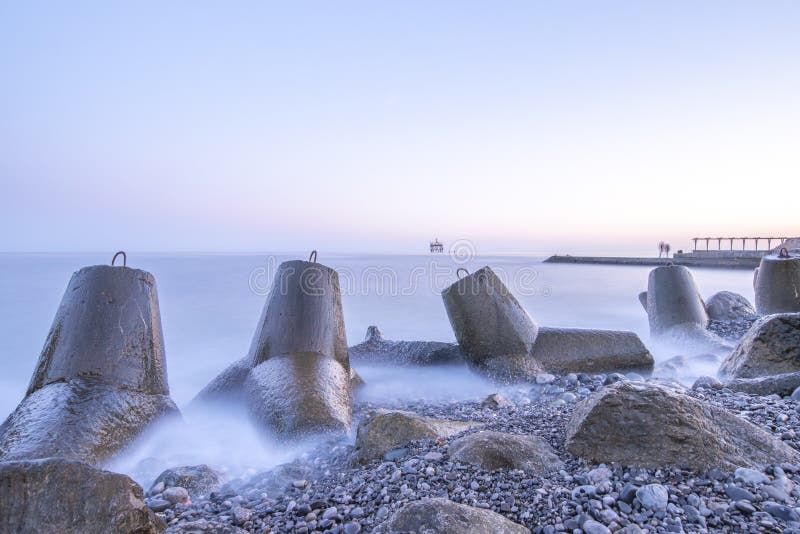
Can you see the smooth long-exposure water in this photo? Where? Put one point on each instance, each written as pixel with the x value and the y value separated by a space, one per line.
pixel 210 305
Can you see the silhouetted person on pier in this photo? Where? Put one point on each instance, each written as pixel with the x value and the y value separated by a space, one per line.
pixel 661 248
pixel 666 249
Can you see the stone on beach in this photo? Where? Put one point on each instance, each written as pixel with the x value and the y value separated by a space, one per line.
pixel 101 379
pixel 770 347
pixel 196 479
pixel 649 425
pixel 64 496
pixel 777 284
pixel 382 431
pixel 442 516
pixel 376 349
pixel 728 306
pixel 496 450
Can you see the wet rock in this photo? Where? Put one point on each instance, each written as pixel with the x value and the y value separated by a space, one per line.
pixel 496 450
pixel 771 347
pixel 776 284
pixel 57 495
pixel 651 425
pixel 576 350
pixel 101 378
pixel 708 382
pixel 275 481
pixel 382 431
pixel 728 306
pixel 496 401
pixel 196 479
pixel 175 495
pixel 443 516
pixel 376 349
pixel 493 330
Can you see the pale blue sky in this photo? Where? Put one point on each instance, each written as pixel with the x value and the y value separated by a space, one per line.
pixel 374 126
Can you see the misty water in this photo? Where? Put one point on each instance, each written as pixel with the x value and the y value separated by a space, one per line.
pixel 210 305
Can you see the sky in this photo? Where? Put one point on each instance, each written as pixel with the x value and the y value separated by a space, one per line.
pixel 529 127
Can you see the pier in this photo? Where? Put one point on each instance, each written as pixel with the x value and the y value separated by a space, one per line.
pixel 730 257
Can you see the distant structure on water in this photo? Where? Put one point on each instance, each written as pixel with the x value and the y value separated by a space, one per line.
pixel 437 246
pixel 732 251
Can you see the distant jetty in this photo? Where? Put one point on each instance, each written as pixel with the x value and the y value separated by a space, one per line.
pixel 719 258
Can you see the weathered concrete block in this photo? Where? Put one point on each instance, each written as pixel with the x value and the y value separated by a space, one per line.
pixel 101 378
pixel 493 330
pixel 777 284
pixel 108 328
pixel 303 314
pixel 295 395
pixel 673 299
pixel 576 350
pixel 296 379
pixel 376 349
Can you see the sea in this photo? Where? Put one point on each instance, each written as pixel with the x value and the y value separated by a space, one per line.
pixel 210 305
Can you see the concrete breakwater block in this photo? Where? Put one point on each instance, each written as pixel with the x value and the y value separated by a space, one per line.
pixel 296 378
pixel 673 299
pixel 376 349
pixel 577 350
pixel 499 339
pixel 777 284
pixel 101 378
pixel 299 394
pixel 676 311
pixel 493 330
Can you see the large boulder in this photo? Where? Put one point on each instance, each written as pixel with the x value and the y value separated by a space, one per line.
pixel 296 379
pixel 57 495
pixel 777 284
pixel 383 431
pixel 101 379
pixel 651 425
pixel 493 330
pixel 770 347
pixel 376 349
pixel 728 306
pixel 442 516
pixel 577 350
pixel 497 450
